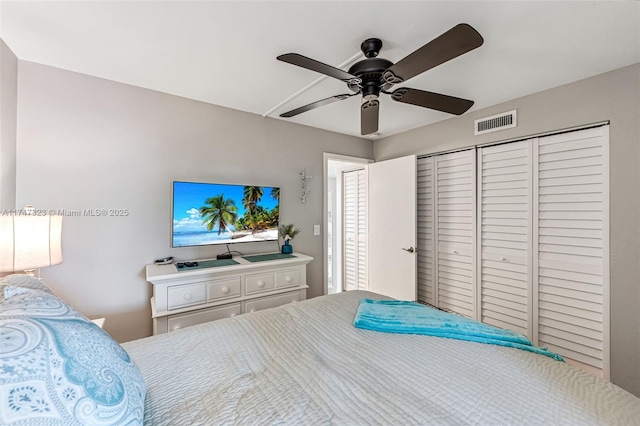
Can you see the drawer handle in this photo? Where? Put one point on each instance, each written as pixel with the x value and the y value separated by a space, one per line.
pixel 288 279
pixel 260 284
pixel 188 296
pixel 454 251
pixel 225 290
pixel 504 259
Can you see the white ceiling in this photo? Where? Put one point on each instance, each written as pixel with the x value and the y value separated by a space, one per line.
pixel 224 52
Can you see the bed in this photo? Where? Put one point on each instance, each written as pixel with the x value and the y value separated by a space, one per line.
pixel 305 363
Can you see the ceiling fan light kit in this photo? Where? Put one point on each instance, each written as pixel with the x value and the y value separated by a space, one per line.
pixel 372 76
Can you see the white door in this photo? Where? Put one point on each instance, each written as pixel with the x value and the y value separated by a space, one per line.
pixel 392 228
pixel 505 236
pixel 455 198
pixel 426 230
pixel 571 231
pixel 355 229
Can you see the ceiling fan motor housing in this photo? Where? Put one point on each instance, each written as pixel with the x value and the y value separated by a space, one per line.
pixel 369 71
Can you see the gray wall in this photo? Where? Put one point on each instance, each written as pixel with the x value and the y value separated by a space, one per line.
pixel 8 109
pixel 89 143
pixel 613 96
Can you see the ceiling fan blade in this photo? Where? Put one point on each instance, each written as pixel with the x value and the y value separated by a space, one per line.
pixel 444 103
pixel 313 65
pixel 458 40
pixel 369 112
pixel 315 105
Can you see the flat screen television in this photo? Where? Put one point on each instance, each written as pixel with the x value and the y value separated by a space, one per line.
pixel 211 213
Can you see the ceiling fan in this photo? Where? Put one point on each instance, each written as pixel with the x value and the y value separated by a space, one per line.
pixel 372 76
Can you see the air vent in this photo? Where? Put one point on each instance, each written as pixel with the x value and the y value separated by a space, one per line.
pixel 496 122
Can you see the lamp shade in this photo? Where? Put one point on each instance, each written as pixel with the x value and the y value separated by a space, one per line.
pixel 30 242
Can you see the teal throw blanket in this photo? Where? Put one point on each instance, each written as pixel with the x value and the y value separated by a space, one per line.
pixel 397 316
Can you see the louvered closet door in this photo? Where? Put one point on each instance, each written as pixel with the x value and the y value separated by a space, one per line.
pixel 425 217
pixel 362 230
pixel 455 233
pixel 572 270
pixel 355 229
pixel 504 216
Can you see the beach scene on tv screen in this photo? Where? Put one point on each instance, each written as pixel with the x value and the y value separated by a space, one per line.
pixel 206 213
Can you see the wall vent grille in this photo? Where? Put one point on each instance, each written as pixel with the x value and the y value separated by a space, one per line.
pixel 501 121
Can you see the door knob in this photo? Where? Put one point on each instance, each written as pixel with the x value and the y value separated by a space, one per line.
pixel 410 249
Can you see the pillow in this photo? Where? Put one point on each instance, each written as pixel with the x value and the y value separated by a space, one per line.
pixel 57 367
pixel 21 280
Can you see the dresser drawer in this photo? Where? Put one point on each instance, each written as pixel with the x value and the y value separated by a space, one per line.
pixel 271 301
pixel 205 315
pixel 287 278
pixel 186 295
pixel 259 283
pixel 223 289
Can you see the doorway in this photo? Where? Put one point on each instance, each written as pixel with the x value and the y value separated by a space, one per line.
pixel 333 217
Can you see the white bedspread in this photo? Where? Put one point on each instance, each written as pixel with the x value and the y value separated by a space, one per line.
pixel 305 363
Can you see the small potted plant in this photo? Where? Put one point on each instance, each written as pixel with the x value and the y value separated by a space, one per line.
pixel 287 233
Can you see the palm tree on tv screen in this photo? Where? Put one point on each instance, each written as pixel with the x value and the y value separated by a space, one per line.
pixel 241 224
pixel 274 215
pixel 275 194
pixel 252 194
pixel 220 211
pixel 259 220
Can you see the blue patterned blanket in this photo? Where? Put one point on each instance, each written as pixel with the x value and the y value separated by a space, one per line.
pixel 397 316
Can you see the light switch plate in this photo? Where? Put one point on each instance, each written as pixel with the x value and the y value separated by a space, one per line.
pixel 316 229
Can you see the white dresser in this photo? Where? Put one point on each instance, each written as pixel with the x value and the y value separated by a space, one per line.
pixel 182 298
